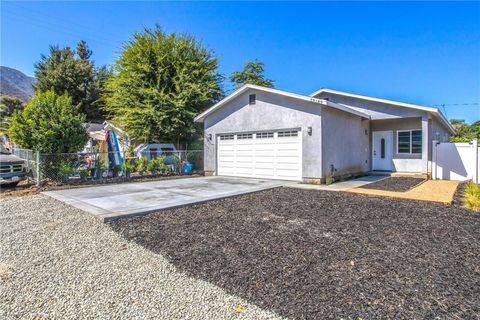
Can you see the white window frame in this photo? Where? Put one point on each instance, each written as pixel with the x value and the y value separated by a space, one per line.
pixel 411 144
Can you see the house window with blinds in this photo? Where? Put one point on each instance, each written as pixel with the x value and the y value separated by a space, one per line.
pixel 409 141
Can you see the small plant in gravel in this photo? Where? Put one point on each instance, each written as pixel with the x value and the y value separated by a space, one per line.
pixel 471 196
pixel 329 180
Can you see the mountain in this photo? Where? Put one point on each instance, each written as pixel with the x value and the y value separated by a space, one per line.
pixel 15 83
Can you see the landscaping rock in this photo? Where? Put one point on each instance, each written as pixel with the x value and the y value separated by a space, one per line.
pixel 383 258
pixel 57 262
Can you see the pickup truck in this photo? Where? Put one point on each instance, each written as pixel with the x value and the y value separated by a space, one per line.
pixel 12 168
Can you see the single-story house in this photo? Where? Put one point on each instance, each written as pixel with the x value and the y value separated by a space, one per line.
pixel 268 133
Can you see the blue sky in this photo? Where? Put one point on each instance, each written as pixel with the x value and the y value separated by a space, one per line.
pixel 426 53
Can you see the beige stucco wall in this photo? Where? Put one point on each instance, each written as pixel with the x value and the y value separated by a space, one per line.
pixel 270 112
pixel 402 162
pixel 345 143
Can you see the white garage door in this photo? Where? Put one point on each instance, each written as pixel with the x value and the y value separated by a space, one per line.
pixel 271 155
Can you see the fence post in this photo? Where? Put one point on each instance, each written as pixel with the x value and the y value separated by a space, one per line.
pixel 28 161
pixel 434 159
pixel 124 163
pixel 38 168
pixel 476 164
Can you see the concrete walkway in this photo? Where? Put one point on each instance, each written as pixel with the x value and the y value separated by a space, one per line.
pixel 431 190
pixel 120 200
pixel 340 186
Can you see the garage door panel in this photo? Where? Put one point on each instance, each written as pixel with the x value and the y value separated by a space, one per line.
pixel 273 157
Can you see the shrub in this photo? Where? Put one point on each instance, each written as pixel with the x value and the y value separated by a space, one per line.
pixel 64 170
pixel 50 123
pixel 153 166
pixel 141 164
pixel 471 197
pixel 128 166
pixel 101 168
pixel 116 170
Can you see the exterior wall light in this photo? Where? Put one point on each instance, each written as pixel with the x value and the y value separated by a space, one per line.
pixel 309 131
pixel 210 136
pixel 366 132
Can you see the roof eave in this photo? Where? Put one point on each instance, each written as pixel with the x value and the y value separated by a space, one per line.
pixel 201 117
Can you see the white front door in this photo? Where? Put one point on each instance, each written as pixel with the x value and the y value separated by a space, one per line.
pixel 266 154
pixel 382 150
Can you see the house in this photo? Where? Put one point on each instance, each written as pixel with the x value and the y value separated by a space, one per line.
pixel 267 133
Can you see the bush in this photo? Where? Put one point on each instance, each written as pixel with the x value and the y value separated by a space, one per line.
pixel 141 164
pixel 49 124
pixel 153 166
pixel 471 197
pixel 128 166
pixel 65 170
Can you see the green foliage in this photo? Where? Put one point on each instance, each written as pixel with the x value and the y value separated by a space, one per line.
pixel 65 170
pixel 471 197
pixel 72 71
pixel 160 83
pixel 465 132
pixel 153 165
pixel 329 180
pixel 141 164
pixel 116 170
pixel 49 124
pixel 8 106
pixel 128 166
pixel 100 168
pixel 252 73
pixel 161 162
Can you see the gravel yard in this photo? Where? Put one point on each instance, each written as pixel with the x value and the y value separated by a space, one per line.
pixel 319 255
pixel 57 262
pixel 399 184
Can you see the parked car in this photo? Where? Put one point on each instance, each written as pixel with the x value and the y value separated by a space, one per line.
pixel 154 150
pixel 12 168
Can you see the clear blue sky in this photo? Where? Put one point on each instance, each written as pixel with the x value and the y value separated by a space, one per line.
pixel 426 53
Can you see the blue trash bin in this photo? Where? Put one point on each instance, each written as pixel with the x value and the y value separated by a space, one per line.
pixel 187 168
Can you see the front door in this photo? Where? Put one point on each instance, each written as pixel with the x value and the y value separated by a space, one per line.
pixel 382 150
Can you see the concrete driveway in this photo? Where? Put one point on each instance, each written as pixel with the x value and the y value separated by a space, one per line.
pixel 120 200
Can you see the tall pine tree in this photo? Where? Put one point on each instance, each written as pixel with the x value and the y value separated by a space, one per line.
pixel 73 72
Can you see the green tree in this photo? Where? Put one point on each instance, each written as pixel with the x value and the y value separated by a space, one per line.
pixel 465 132
pixel 73 72
pixel 160 83
pixel 49 123
pixel 8 105
pixel 252 73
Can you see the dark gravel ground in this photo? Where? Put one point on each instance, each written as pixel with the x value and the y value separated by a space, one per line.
pixel 399 184
pixel 311 254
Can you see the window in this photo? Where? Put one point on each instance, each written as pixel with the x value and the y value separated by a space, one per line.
pixel 282 134
pixel 382 148
pixel 244 136
pixel 252 99
pixel 226 137
pixel 409 141
pixel 264 135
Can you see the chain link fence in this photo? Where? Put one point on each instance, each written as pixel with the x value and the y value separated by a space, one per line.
pixel 102 167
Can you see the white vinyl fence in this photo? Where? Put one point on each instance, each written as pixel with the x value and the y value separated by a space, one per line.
pixel 456 161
